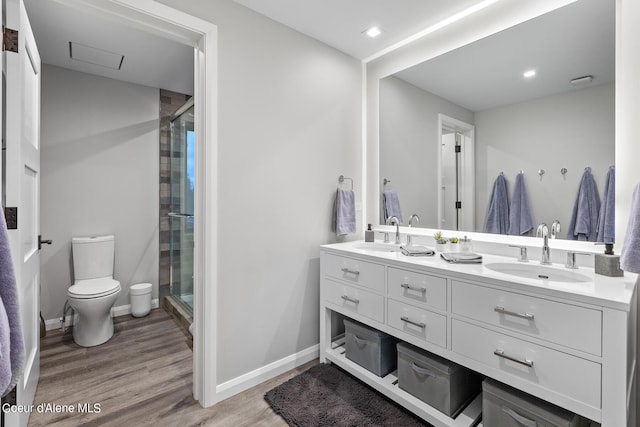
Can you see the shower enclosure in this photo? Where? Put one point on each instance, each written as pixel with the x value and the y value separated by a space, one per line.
pixel 181 210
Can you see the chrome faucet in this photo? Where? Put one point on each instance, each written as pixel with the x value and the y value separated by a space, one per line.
pixel 571 258
pixel 411 218
pixel 555 229
pixel 542 230
pixel 546 252
pixel 393 220
pixel 523 253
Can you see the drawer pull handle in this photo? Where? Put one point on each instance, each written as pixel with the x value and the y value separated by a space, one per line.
pixel 525 362
pixel 413 288
pixel 412 322
pixel 349 271
pixel 502 310
pixel 519 418
pixel 348 298
pixel 421 370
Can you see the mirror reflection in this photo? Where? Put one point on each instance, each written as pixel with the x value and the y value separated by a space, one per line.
pixel 534 102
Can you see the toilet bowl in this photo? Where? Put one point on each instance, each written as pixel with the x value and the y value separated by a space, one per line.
pixel 92 300
pixel 94 290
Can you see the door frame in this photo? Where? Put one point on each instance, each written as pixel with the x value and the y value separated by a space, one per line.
pixel 164 21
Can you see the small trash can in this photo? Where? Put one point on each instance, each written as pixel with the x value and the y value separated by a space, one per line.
pixel 140 299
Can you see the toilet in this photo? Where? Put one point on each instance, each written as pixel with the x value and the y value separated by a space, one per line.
pixel 94 290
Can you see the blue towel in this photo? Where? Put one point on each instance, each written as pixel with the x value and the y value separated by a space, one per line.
pixel 497 218
pixel 345 212
pixel 606 219
pixel 630 255
pixel 391 205
pixel 9 296
pixel 519 214
pixel 583 224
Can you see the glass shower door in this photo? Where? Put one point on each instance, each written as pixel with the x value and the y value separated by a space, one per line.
pixel 181 211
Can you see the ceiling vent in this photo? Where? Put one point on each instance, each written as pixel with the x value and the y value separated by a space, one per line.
pixel 95 56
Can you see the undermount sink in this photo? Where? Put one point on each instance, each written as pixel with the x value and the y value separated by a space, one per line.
pixel 378 247
pixel 538 272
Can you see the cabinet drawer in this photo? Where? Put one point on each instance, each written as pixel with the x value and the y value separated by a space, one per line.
pixel 417 288
pixel 355 300
pixel 431 327
pixel 567 375
pixel 568 325
pixel 355 271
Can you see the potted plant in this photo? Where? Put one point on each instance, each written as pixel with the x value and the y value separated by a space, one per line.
pixel 453 244
pixel 441 241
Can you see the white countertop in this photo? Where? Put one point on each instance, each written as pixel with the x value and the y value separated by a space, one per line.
pixel 612 292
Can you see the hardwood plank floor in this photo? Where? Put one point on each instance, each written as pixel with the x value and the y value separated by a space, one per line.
pixel 141 377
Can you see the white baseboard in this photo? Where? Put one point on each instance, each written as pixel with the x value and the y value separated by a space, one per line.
pixel 120 310
pixel 260 375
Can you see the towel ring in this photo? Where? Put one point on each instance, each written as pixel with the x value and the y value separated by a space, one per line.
pixel 341 179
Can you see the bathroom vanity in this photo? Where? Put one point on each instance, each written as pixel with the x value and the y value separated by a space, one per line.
pixel 566 336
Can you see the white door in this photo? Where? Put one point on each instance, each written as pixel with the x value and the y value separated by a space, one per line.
pixel 21 121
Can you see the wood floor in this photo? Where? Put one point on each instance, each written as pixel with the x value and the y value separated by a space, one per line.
pixel 141 377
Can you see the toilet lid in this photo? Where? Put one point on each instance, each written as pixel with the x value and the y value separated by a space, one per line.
pixel 94 288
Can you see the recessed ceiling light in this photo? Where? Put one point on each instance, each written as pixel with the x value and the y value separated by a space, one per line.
pixel 528 74
pixel 373 32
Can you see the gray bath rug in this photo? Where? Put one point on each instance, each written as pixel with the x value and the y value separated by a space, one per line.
pixel 328 396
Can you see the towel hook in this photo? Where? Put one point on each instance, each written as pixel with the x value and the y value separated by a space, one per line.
pixel 501 173
pixel 540 172
pixel 385 181
pixel 564 171
pixel 341 179
pixel 587 169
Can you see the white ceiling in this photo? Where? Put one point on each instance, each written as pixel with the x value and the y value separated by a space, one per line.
pixel 340 23
pixel 570 42
pixel 148 60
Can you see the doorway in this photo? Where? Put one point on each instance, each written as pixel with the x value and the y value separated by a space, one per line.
pixel 456 174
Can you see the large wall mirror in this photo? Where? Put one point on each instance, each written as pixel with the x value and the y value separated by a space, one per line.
pixel 550 126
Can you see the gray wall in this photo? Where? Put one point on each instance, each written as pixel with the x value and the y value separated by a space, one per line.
pixel 289 125
pixel 99 176
pixel 571 130
pixel 409 148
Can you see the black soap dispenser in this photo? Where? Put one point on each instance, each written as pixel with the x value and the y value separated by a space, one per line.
pixel 369 235
pixel 608 264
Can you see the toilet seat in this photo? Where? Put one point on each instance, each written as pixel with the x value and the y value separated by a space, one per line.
pixel 94 288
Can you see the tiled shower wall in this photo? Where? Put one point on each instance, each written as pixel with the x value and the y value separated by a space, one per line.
pixel 169 103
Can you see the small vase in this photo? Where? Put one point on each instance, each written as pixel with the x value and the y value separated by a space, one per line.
pixel 454 247
pixel 441 247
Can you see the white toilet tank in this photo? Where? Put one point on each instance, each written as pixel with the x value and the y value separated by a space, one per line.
pixel 93 256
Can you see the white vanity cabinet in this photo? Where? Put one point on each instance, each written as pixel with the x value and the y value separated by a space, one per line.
pixel 571 344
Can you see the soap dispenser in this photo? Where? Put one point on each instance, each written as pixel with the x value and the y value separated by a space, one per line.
pixel 608 264
pixel 369 234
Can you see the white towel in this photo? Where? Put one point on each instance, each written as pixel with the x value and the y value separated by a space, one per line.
pixel 630 255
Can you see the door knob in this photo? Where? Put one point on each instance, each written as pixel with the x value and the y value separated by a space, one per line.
pixel 43 242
